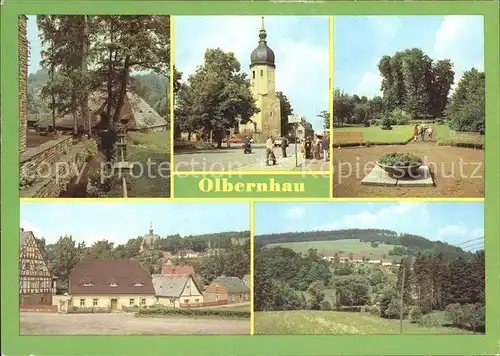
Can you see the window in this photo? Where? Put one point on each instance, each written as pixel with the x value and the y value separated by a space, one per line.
pixel 95 302
pixel 270 113
pixel 253 74
pixel 196 301
pixel 87 284
pixel 82 302
pixel 172 300
pixel 131 302
pixel 113 284
pixel 216 297
pixel 41 299
pixel 261 73
pixel 186 301
pixel 138 284
pixel 143 301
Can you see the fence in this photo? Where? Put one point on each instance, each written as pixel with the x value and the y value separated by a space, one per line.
pixel 39 308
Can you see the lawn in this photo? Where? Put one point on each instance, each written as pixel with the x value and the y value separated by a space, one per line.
pixel 345 246
pixel 302 322
pixel 445 136
pixel 153 179
pixel 375 135
pixel 234 308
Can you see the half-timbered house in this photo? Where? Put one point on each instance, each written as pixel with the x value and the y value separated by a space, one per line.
pixel 36 285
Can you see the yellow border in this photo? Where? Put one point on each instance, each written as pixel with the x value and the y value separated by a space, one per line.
pixel 298 172
pixel 330 101
pixel 242 200
pixel 172 126
pixel 252 252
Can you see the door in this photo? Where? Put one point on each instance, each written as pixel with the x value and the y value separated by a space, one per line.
pixel 114 304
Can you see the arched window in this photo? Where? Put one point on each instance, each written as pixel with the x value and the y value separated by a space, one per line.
pixel 261 72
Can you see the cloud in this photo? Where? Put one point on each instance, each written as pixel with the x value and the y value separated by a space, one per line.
pixel 296 212
pixel 459 231
pixel 28 226
pixel 384 218
pixel 385 27
pixel 462 39
pixel 369 85
pixel 302 64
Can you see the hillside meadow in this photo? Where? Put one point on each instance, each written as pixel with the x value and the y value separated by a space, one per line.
pixel 354 246
pixel 301 322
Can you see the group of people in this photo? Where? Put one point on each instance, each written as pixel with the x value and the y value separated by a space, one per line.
pixel 310 148
pixel 422 130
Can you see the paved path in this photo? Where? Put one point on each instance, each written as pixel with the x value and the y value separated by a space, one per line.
pixel 33 323
pixel 234 159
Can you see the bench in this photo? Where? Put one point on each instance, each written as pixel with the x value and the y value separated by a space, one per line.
pixel 348 137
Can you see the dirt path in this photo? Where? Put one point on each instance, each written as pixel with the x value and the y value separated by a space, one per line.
pixel 125 323
pixel 457 172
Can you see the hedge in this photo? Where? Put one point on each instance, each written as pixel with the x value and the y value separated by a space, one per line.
pixel 82 310
pixel 194 312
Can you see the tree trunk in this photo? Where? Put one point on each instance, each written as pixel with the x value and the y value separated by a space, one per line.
pixel 85 95
pixel 109 100
pixel 123 90
pixel 73 111
pixel 53 98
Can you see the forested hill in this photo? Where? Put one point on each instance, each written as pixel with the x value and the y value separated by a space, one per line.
pixel 151 87
pixel 410 243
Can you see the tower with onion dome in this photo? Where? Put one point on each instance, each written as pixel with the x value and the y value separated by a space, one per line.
pixel 263 85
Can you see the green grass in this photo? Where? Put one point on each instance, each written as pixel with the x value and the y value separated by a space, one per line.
pixel 444 137
pixel 153 147
pixel 235 308
pixel 375 135
pixel 302 322
pixel 345 246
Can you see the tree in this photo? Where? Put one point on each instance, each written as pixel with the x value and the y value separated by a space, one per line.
pixel 66 254
pixel 286 109
pixel 466 110
pixel 100 250
pixel 316 289
pixel 342 107
pixel 325 115
pixel 221 97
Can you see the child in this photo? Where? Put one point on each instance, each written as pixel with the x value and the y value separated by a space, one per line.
pixel 415 133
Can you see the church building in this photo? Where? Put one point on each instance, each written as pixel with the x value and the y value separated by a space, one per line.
pixel 263 85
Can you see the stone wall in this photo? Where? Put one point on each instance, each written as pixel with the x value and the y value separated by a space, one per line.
pixel 23 81
pixel 39 166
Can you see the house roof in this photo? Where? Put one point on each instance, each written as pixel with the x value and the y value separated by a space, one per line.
pixel 173 269
pixel 140 114
pixel 170 285
pixel 23 237
pixel 110 277
pixel 232 284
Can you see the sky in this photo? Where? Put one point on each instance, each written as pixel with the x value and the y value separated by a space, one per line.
pixel 118 222
pixel 454 223
pixel 300 43
pixel 35 45
pixel 360 42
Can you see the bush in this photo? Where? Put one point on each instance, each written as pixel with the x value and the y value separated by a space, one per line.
pixel 416 315
pixel 387 123
pixel 325 305
pixel 374 310
pixel 399 159
pixel 87 310
pixel 399 117
pixel 193 312
pixel 430 320
pixel 455 314
pixel 366 123
pixel 91 148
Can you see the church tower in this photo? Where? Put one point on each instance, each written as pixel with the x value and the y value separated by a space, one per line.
pixel 263 85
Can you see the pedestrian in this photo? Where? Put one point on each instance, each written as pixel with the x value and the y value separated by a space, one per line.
pixel 269 151
pixel 423 129
pixel 429 131
pixel 415 133
pixel 303 149
pixel 317 148
pixel 308 147
pixel 326 148
pixel 284 145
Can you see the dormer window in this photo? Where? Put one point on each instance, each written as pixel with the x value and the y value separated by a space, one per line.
pixel 138 284
pixel 113 284
pixel 88 284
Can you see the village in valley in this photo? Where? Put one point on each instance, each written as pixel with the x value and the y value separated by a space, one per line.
pixel 154 283
pixel 94 106
pixel 372 268
pixel 241 104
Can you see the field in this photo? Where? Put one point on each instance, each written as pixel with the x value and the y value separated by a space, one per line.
pixel 375 135
pixel 233 308
pixel 153 179
pixel 345 246
pixel 302 322
pixel 32 323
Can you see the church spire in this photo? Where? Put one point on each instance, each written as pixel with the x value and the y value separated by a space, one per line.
pixel 151 228
pixel 262 32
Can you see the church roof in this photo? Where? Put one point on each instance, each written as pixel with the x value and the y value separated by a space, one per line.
pixel 262 55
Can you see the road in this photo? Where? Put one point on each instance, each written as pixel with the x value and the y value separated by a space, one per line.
pixel 33 323
pixel 231 159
